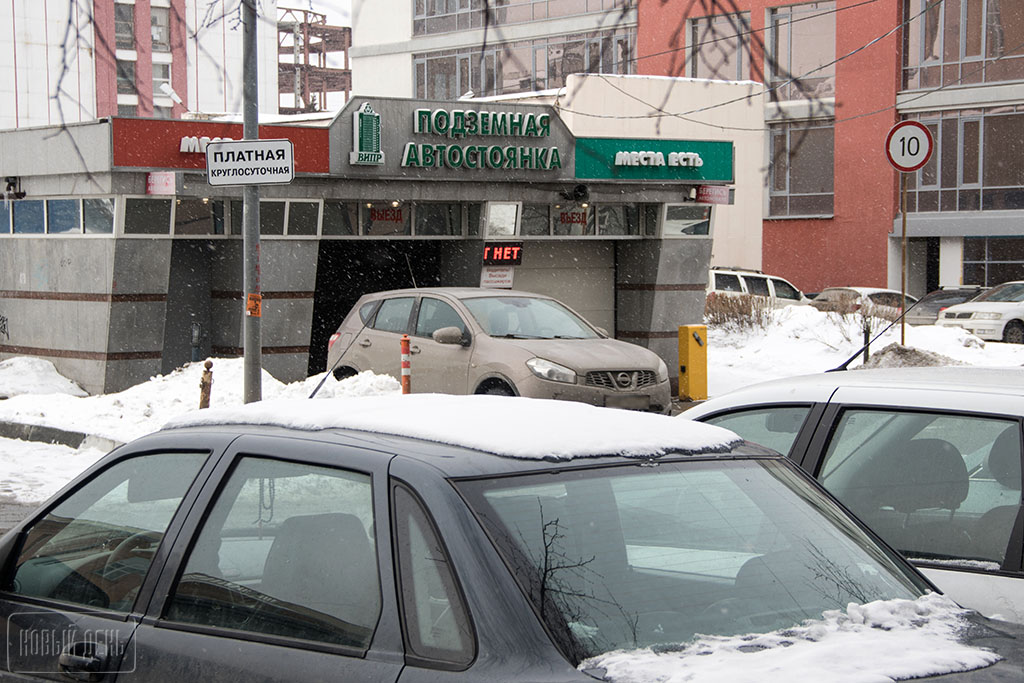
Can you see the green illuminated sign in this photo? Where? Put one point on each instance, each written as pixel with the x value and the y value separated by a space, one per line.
pixel 632 159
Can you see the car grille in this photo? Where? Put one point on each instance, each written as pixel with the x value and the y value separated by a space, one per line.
pixel 953 314
pixel 621 380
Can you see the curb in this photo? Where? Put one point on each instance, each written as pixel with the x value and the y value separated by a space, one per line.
pixel 53 435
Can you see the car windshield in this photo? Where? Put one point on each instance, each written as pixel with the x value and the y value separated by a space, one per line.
pixel 638 556
pixel 521 317
pixel 1011 291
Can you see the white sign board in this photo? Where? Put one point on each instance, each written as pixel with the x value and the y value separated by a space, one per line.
pixel 249 162
pixel 497 277
pixel 908 146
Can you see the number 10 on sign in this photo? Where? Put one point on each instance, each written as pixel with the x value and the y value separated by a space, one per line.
pixel 908 146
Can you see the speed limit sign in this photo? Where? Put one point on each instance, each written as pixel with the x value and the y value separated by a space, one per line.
pixel 908 146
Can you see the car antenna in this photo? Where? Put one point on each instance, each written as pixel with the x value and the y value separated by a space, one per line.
pixel 340 356
pixel 849 360
pixel 411 275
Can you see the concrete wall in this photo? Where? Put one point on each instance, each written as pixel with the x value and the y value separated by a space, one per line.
pixel 381 53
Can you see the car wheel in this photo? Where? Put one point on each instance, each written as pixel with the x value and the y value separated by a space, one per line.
pixel 496 388
pixel 1014 332
pixel 343 373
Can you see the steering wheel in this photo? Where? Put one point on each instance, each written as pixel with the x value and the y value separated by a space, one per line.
pixel 129 545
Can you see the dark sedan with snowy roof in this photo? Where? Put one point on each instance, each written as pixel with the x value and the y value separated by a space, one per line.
pixel 484 538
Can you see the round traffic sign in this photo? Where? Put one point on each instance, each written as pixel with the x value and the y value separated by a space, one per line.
pixel 908 146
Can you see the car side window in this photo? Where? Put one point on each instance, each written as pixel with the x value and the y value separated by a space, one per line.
pixel 393 315
pixel 727 282
pixel 287 550
pixel 435 314
pixel 757 285
pixel 437 626
pixel 784 290
pixel 95 547
pixel 775 426
pixel 935 486
pixel 367 310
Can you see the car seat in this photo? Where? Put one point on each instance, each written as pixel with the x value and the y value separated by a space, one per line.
pixel 325 563
pixel 925 474
pixel 993 529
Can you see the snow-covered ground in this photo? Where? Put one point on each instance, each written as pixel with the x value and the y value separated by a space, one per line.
pixel 886 641
pixel 801 340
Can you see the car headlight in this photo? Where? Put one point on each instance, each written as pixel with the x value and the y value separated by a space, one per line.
pixel 987 316
pixel 545 369
pixel 662 371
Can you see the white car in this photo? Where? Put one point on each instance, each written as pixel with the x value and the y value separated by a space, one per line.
pixel 872 301
pixel 733 282
pixel 929 458
pixel 995 315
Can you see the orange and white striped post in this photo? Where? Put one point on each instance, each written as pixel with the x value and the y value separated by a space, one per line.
pixel 406 366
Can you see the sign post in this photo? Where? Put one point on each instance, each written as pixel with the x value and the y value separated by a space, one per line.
pixel 908 147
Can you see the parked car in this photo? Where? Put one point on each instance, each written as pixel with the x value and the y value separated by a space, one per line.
pixel 426 538
pixel 735 282
pixel 871 301
pixel 929 457
pixel 932 304
pixel 495 341
pixel 995 315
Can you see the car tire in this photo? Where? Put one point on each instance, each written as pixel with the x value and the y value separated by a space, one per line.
pixel 344 373
pixel 496 389
pixel 1013 333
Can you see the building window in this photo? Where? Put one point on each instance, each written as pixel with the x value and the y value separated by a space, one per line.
pixel 198 217
pixel 974 163
pixel 802 51
pixel 163 112
pixel 98 215
pixel 962 42
pixel 989 261
pixel 687 220
pixel 147 216
pixel 801 174
pixel 522 66
pixel 160 28
pixel 340 218
pixel 720 47
pixel 28 216
pixel 127 110
pixel 303 217
pixel 161 76
pixel 442 16
pixel 124 26
pixel 438 219
pixel 125 78
pixel 62 216
pixel 386 218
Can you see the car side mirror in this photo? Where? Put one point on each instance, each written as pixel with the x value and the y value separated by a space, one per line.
pixel 450 335
pixel 600 330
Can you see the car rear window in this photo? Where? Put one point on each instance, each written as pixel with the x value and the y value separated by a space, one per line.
pixel 632 556
pixel 727 282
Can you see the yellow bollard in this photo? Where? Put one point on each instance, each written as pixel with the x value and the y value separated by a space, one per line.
pixel 693 362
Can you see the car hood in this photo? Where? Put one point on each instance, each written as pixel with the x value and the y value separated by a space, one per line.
pixel 584 355
pixel 1004 638
pixel 985 306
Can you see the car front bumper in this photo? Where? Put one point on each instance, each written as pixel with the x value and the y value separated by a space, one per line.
pixel 655 398
pixel 991 330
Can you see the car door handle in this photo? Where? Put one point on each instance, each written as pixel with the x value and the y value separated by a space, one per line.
pixel 414 350
pixel 365 342
pixel 83 661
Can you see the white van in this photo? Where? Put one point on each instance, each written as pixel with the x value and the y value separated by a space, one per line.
pixel 733 281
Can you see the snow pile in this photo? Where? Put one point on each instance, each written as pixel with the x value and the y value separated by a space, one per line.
pixel 803 340
pixel 898 356
pixel 558 430
pixel 23 375
pixel 880 641
pixel 145 407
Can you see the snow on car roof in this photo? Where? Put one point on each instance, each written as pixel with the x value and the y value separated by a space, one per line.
pixel 508 426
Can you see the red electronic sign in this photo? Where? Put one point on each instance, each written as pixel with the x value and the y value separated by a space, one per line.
pixel 503 253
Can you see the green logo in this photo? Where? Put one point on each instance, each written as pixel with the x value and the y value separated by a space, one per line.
pixel 366 137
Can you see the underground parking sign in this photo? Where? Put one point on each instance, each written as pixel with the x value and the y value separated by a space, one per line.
pixel 908 146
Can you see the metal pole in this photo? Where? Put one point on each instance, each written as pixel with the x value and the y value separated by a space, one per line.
pixel 903 285
pixel 252 364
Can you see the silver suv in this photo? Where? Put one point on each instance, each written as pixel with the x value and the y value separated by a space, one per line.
pixel 492 341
